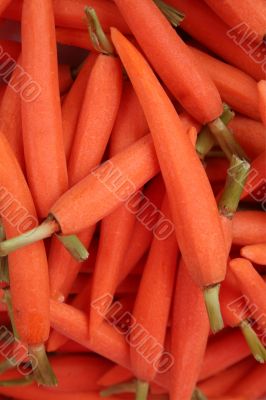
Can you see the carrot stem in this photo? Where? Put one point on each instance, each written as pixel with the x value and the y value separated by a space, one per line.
pixel 211 297
pixel 129 387
pixel 74 246
pixel 27 380
pixel 142 390
pixel 235 182
pixel 254 343
pixel 198 395
pixel 43 373
pixel 174 16
pixel 4 273
pixel 100 41
pixel 225 139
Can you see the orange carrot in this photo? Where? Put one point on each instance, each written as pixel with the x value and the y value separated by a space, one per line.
pixel 65 78
pixel 255 184
pixel 41 117
pixel 252 385
pixel 114 376
pixel 3 5
pixel 204 25
pixel 172 59
pixel 250 134
pixel 262 100
pixel 235 13
pixel 249 227
pixel 197 247
pixel 255 253
pixel 73 37
pixel 190 332
pixel 236 88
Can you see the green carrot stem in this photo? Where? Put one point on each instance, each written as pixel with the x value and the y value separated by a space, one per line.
pixel 254 343
pixel 235 182
pixel 26 380
pixel 4 272
pixel 129 387
pixel 42 370
pixel 211 297
pixel 198 395
pixel 74 246
pixel 142 390
pixel 174 16
pixel 99 39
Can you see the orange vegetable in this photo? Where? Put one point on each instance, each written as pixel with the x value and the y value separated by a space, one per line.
pixel 255 253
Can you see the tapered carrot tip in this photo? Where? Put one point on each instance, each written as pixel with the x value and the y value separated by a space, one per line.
pixel 174 16
pixel 254 343
pixel 99 40
pixel 198 395
pixel 225 139
pixel 142 390
pixel 129 387
pixel 42 370
pixel 26 380
pixel 211 297
pixel 74 246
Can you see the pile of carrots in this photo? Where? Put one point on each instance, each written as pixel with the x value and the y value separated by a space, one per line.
pixel 132 199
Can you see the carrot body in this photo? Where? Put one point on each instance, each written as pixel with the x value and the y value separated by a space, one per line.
pixel 236 88
pixel 30 302
pixel 249 227
pixel 229 294
pixel 235 12
pixel 190 332
pixel 255 253
pixel 262 100
pixel 115 375
pixel 168 136
pixel 153 300
pixel 252 385
pixel 172 59
pixel 204 25
pixel 73 103
pixel 250 134
pixel 41 118
pixel 255 184
pixel 65 78
pixel 73 37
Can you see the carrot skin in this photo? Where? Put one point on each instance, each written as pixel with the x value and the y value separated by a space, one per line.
pixel 262 100
pixel 255 253
pixel 249 227
pixel 252 385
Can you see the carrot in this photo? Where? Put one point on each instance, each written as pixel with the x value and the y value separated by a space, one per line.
pixel 235 13
pixel 73 37
pixel 236 88
pixel 152 304
pixel 184 78
pixel 252 385
pixel 117 228
pixel 114 376
pixel 249 227
pixel 65 78
pixel 188 217
pixel 255 253
pixel 262 100
pixel 41 118
pixel 204 25
pixel 190 332
pixel 69 13
pixel 222 383
pixel 3 5
pixel 255 184
pixel 250 134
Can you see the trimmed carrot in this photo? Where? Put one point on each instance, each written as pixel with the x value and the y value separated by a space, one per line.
pixel 222 383
pixel 117 228
pixel 73 37
pixel 172 59
pixel 255 184
pixel 41 118
pixel 235 12
pixel 252 385
pixel 262 100
pixel 250 134
pixel 190 332
pixel 205 26
pixel 70 13
pixel 168 135
pixel 255 253
pixel 249 227
pixel 114 376
pixel 73 103
pixel 65 78
pixel 236 88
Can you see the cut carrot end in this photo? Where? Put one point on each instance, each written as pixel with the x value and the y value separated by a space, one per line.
pixel 129 387
pixel 211 297
pixel 74 246
pixel 254 343
pixel 142 390
pixel 99 39
pixel 225 139
pixel 174 16
pixel 27 380
pixel 198 395
pixel 43 372
pixel 43 231
pixel 236 177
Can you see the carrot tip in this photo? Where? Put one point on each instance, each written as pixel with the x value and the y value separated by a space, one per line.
pixel 174 16
pixel 254 343
pixel 99 40
pixel 129 387
pixel 198 395
pixel 211 297
pixel 43 231
pixel 74 246
pixel 43 373
pixel 27 380
pixel 142 390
